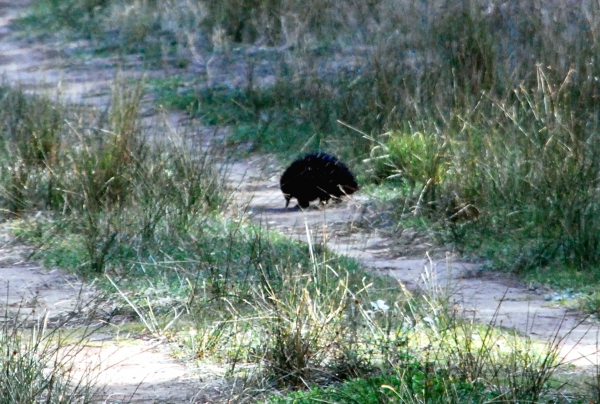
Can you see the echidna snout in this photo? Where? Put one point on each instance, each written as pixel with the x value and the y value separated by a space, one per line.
pixel 317 176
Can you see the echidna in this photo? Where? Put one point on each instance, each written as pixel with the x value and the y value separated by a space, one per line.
pixel 316 175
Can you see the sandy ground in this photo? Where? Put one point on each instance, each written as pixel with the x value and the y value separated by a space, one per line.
pixel 143 371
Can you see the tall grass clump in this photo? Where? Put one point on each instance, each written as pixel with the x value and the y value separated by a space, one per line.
pixel 323 331
pixel 543 174
pixel 30 128
pixel 527 161
pixel 498 126
pixel 37 365
pixel 277 312
pixel 102 182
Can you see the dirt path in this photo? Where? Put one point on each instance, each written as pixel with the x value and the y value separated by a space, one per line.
pixel 144 372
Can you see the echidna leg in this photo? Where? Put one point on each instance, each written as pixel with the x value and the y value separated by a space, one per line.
pixel 303 203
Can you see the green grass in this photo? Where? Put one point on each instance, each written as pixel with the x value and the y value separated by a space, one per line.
pixel 37 357
pixel 479 124
pixel 570 286
pixel 279 119
pixel 467 135
pixel 148 221
pixel 108 189
pixel 174 93
pixel 414 383
pixel 438 109
pixel 276 312
pixel 500 169
pixel 36 367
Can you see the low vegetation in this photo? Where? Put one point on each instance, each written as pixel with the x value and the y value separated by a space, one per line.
pixel 483 111
pixel 480 118
pixel 36 363
pixel 147 220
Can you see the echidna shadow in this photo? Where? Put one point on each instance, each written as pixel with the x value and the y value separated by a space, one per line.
pixel 316 176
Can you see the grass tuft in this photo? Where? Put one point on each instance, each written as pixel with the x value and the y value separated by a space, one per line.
pixel 37 363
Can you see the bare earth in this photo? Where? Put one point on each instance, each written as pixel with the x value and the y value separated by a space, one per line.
pixel 143 371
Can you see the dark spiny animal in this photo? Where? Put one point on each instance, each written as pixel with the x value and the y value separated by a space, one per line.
pixel 316 176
